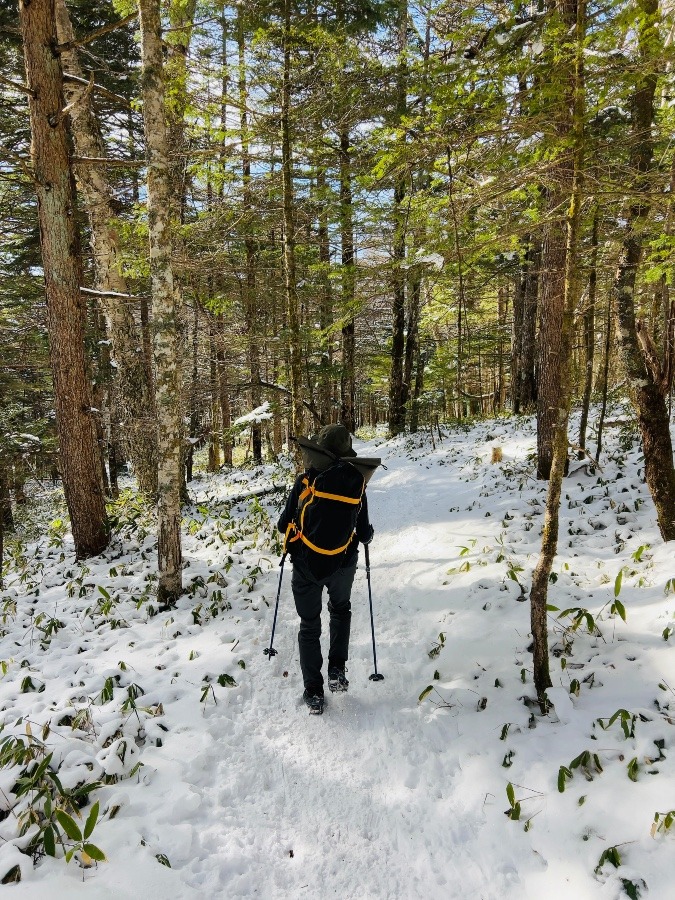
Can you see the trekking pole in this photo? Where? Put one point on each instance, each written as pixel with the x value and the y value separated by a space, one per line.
pixel 376 676
pixel 270 651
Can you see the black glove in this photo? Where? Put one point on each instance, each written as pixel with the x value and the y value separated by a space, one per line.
pixel 368 539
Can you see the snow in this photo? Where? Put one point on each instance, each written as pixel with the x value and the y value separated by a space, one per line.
pixel 435 260
pixel 385 796
pixel 256 416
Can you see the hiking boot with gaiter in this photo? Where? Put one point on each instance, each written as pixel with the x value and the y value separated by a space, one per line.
pixel 314 702
pixel 337 682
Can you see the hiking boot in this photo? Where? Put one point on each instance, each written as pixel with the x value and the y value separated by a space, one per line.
pixel 337 681
pixel 314 702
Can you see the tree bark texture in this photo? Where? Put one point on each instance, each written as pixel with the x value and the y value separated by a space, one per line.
pixel 135 394
pixel 165 302
pixel 648 390
pixel 79 453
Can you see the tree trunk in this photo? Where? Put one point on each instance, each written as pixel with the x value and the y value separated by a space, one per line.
pixel 412 332
pixel 102 389
pixel 396 401
pixel 459 358
pixel 589 334
pixel 19 483
pixel 550 350
pixel 500 392
pixel 325 304
pixel 647 386
pixel 570 56
pixel 347 379
pixel 135 393
pixel 528 382
pixel 165 301
pixel 194 411
pixel 224 394
pixel 251 307
pixel 215 431
pixel 6 517
pixel 549 341
pixel 523 384
pixel 605 377
pixel 177 44
pixel 59 241
pixel 290 279
pixel 420 362
pixel 517 338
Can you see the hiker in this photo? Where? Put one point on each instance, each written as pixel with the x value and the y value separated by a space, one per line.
pixel 325 518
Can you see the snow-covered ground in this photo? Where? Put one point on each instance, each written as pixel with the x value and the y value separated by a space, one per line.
pixel 385 796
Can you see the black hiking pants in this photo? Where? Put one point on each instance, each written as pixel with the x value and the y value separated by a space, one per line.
pixel 307 592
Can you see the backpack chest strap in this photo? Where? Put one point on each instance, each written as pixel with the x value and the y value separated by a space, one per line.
pixel 311 490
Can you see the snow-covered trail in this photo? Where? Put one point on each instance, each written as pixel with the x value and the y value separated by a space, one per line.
pixel 385 796
pixel 365 802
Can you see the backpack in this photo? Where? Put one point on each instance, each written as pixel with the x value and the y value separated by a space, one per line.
pixel 328 507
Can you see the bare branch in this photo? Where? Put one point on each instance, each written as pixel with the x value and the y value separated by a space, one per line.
pixel 104 92
pixel 22 161
pixel 284 390
pixel 69 45
pixel 113 294
pixel 80 97
pixel 108 161
pixel 650 353
pixel 19 87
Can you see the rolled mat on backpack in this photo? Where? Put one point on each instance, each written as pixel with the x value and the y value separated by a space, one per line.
pixel 319 458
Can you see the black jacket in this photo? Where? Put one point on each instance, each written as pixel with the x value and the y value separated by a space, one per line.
pixel 323 566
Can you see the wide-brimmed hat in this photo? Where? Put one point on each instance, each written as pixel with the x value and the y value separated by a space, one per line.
pixel 335 438
pixel 334 442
